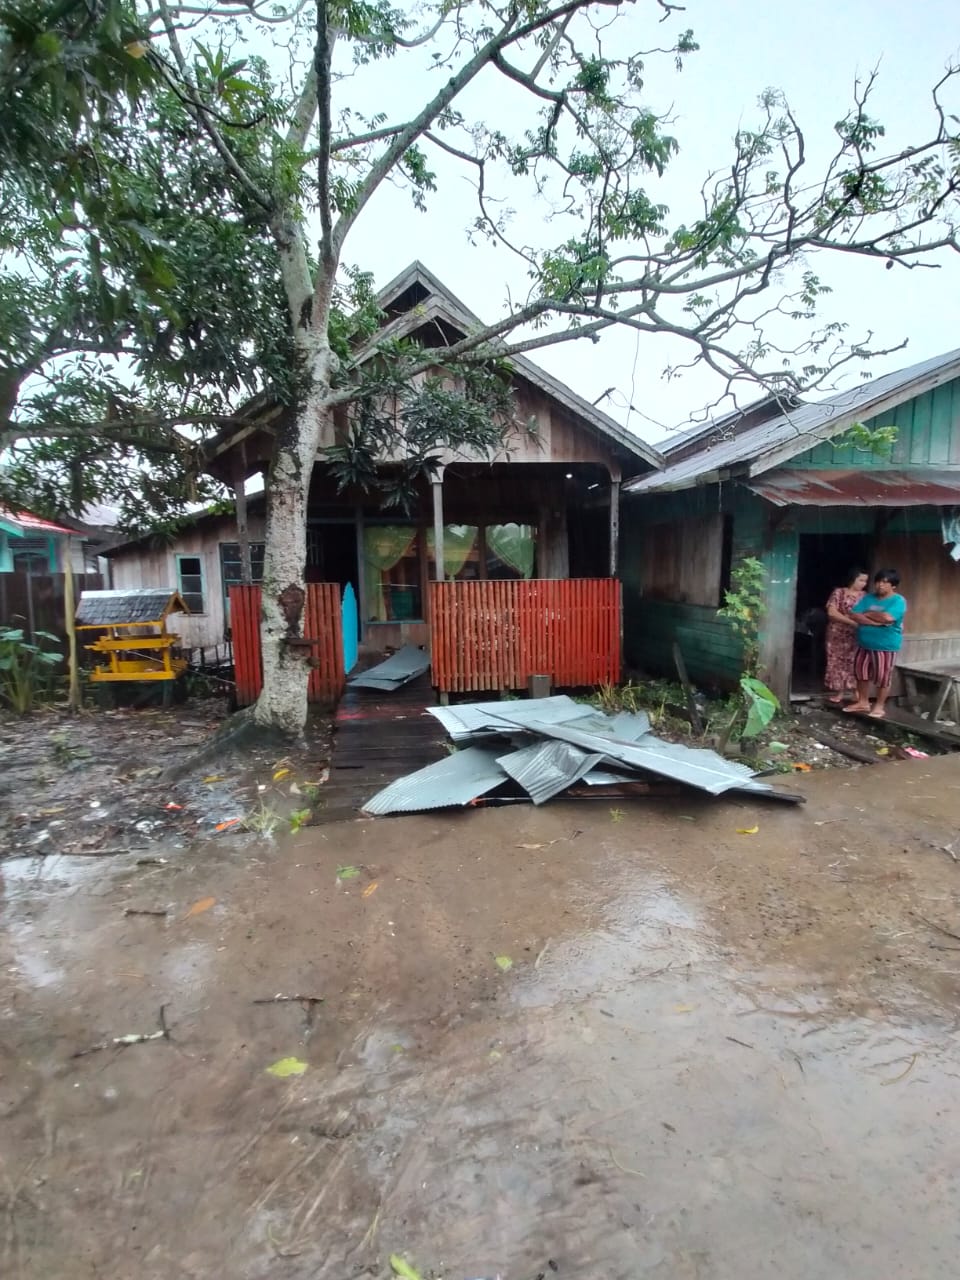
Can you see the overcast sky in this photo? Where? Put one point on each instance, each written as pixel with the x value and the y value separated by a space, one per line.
pixel 813 52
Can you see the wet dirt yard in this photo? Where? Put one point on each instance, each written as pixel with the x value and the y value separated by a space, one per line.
pixel 714 1054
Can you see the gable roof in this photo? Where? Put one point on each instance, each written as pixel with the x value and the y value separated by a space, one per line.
pixel 136 606
pixel 431 300
pixel 22 524
pixel 794 431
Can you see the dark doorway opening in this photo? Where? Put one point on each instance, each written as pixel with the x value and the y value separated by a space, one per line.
pixel 824 562
pixel 332 554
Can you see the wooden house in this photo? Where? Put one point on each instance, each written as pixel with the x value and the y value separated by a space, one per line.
pixel 544 508
pixel 800 487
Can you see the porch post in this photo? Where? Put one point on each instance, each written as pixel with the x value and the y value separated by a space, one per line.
pixel 436 481
pixel 361 572
pixel 614 523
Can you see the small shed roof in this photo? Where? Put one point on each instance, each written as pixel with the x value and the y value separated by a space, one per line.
pixel 774 441
pixel 137 607
pixel 24 524
pixel 860 487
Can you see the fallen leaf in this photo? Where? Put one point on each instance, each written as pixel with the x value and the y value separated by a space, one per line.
pixel 747 831
pixel 347 873
pixel 283 1068
pixel 204 904
pixel 400 1267
pixel 230 822
pixel 684 1008
pixel 294 789
pixel 531 846
pixel 214 777
pixel 171 805
pixel 503 963
pixel 280 773
pixel 371 888
pixel 801 767
pixel 777 746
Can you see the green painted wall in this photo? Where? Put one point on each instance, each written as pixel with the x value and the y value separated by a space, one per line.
pixel 928 436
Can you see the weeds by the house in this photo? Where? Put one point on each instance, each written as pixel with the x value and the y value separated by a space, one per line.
pixel 26 670
pixel 262 821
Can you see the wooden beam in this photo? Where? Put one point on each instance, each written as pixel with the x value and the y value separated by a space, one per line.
pixel 436 481
pixel 614 525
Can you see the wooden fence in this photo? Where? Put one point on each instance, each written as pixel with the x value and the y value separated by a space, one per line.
pixel 495 635
pixel 34 601
pixel 321 624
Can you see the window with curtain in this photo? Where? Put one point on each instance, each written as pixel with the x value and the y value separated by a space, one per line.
pixel 461 553
pixel 391 554
pixel 511 550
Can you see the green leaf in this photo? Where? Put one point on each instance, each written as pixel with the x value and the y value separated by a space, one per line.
pixel 283 1068
pixel 400 1267
pixel 762 705
pixel 503 963
pixel 347 873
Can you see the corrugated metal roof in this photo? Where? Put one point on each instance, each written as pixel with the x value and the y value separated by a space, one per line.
pixel 481 719
pixel 778 439
pixel 865 487
pixel 32 524
pixel 696 766
pixel 397 670
pixel 117 608
pixel 455 780
pixel 544 769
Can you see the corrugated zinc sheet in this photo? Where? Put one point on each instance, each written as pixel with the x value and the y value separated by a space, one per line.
pixel 456 780
pixel 803 426
pixel 401 667
pixel 544 769
pixel 868 488
pixel 696 766
pixel 480 719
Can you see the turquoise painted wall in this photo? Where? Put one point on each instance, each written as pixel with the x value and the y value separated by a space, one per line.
pixel 928 436
pixel 6 555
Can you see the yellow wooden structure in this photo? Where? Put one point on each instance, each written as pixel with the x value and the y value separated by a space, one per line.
pixel 136 644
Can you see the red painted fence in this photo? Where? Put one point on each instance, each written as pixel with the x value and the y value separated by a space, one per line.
pixel 494 635
pixel 321 623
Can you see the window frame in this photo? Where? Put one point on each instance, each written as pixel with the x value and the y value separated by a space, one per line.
pixel 204 599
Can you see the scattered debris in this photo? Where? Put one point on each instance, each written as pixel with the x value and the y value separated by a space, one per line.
pixel 903 1074
pixel 503 963
pixel 198 908
pixel 401 1268
pixel 747 831
pixel 370 889
pixel 556 744
pixel 347 873
pixel 144 911
pixel 284 1068
pixel 123 1042
pixel 399 669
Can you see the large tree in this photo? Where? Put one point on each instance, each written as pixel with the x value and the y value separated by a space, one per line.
pixel 298 160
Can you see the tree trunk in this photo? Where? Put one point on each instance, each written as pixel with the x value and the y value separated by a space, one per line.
pixel 282 704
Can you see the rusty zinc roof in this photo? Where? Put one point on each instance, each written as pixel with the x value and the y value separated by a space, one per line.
pixel 860 487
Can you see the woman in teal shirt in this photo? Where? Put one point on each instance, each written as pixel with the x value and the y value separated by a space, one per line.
pixel 879 617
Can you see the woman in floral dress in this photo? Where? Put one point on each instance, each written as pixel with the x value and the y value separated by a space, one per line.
pixel 841 635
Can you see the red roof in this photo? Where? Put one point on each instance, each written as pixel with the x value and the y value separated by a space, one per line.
pixel 31 523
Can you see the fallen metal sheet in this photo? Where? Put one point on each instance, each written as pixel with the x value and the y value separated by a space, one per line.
pixel 397 670
pixel 451 782
pixel 625 726
pixel 480 719
pixel 547 768
pixel 607 778
pixel 696 766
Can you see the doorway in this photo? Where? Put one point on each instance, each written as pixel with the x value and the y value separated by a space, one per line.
pixel 332 554
pixel 824 562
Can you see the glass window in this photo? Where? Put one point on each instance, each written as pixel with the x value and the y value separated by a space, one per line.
pixel 230 571
pixel 461 553
pixel 391 554
pixel 190 582
pixel 511 550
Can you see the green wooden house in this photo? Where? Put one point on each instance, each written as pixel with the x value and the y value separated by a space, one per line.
pixel 797 485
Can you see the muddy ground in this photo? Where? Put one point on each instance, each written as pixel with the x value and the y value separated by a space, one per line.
pixel 702 1053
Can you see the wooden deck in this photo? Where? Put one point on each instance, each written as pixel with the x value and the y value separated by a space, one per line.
pixel 379 737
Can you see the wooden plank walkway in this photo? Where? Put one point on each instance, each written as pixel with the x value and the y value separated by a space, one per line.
pixel 379 737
